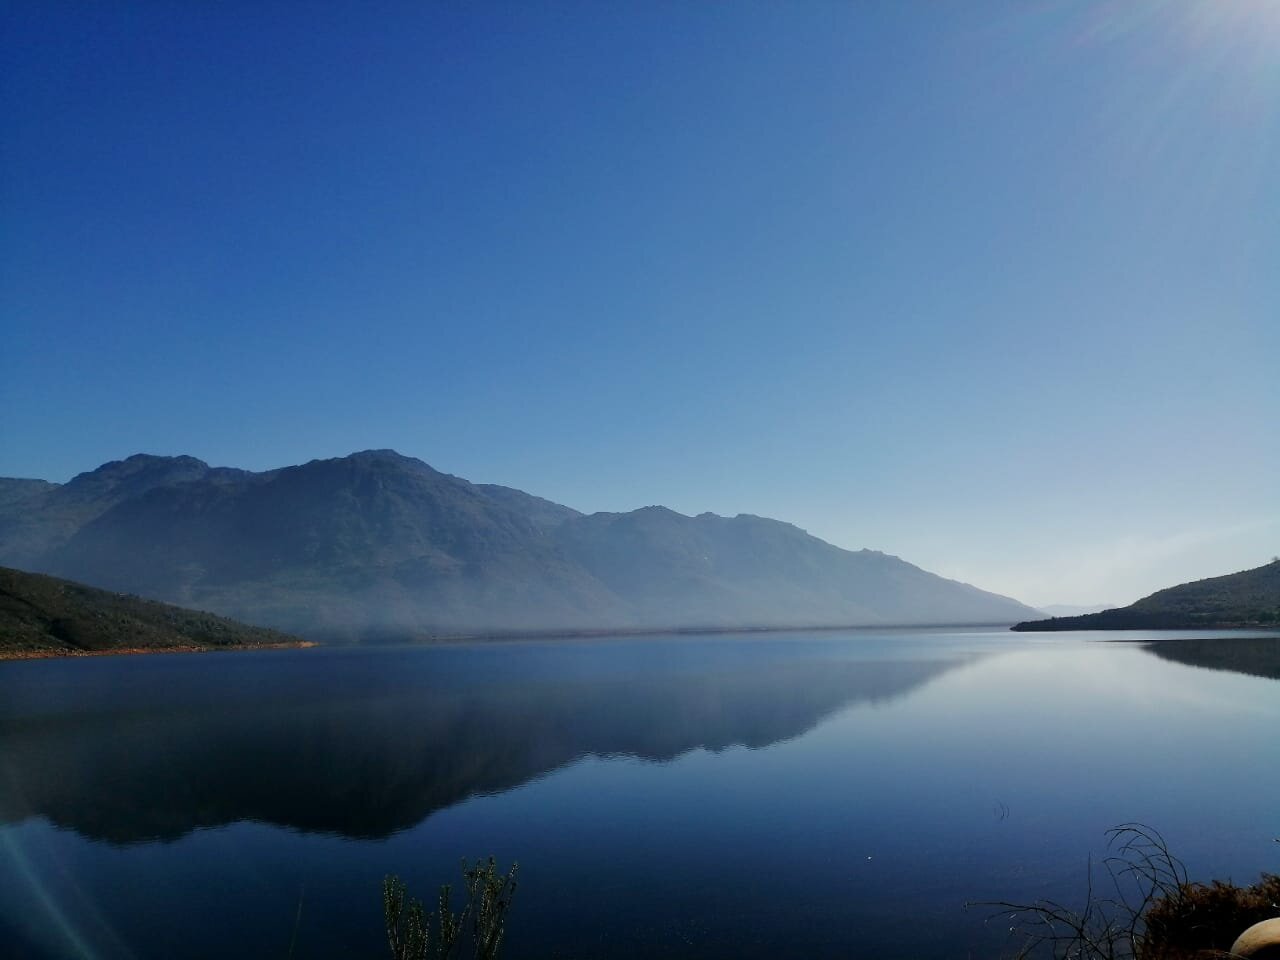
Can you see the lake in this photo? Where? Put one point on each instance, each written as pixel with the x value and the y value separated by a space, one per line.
pixel 786 794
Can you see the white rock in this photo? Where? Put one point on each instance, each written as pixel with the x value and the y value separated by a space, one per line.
pixel 1259 942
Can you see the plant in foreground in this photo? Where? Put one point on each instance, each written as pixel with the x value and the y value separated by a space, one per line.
pixel 1148 909
pixel 410 928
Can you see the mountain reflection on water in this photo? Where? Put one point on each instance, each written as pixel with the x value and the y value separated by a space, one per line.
pixel 365 743
pixel 1254 656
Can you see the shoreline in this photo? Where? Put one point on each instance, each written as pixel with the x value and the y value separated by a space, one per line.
pixel 73 653
pixel 1194 639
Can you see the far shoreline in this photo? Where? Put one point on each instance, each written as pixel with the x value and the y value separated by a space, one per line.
pixel 487 636
pixel 605 633
pixel 601 634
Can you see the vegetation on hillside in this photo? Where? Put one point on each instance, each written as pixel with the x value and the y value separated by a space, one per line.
pixel 1250 598
pixel 42 616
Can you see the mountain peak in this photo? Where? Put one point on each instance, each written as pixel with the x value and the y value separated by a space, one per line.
pixel 141 464
pixel 142 461
pixel 379 459
pixel 387 457
pixel 381 453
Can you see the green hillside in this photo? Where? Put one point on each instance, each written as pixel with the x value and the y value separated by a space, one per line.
pixel 1250 598
pixel 42 615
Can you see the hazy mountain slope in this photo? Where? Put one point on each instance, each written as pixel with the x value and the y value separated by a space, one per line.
pixel 542 513
pixel 712 570
pixel 14 491
pixel 40 614
pixel 32 527
pixel 380 543
pixel 1244 599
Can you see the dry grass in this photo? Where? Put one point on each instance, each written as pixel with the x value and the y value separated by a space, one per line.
pixel 1201 920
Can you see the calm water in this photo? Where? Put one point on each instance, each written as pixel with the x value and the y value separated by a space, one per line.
pixel 780 795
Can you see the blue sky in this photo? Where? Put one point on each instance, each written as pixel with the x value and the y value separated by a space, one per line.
pixel 991 286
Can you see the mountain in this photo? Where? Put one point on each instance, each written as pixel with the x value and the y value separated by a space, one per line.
pixel 42 615
pixel 378 543
pixel 1250 598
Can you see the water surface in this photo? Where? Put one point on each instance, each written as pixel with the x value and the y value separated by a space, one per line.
pixel 716 796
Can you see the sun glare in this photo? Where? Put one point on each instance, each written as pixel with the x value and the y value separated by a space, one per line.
pixel 1236 37
pixel 1207 25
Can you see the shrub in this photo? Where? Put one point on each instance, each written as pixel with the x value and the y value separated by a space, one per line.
pixel 1147 909
pixel 1198 919
pixel 483 919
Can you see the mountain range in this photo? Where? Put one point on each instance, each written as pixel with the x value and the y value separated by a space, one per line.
pixel 381 544
pixel 1250 598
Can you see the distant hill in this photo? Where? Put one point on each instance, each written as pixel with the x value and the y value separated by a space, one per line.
pixel 1250 598
pixel 378 543
pixel 44 615
pixel 1074 609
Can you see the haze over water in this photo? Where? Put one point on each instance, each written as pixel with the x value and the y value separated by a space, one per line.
pixel 725 796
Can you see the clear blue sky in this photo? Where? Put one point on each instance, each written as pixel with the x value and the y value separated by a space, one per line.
pixel 991 286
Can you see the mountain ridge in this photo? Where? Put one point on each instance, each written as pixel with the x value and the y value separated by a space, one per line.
pixel 380 543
